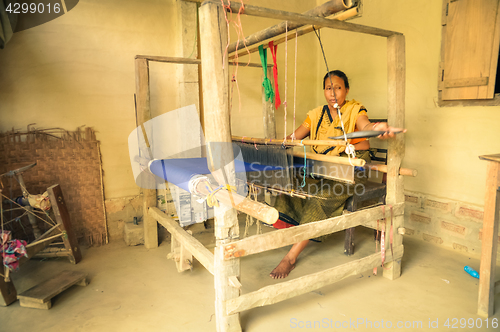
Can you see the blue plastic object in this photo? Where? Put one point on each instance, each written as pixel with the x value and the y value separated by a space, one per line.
pixel 471 271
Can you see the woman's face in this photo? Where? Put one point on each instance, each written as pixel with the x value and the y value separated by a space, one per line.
pixel 336 86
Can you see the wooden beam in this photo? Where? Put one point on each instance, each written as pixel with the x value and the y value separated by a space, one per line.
pixel 284 237
pixel 144 115
pixel 486 299
pixel 304 19
pixel 396 80
pixel 332 159
pixel 188 61
pixel 202 254
pixel 288 142
pixel 326 9
pixel 62 217
pixel 291 35
pixel 214 68
pixel 383 168
pixel 288 289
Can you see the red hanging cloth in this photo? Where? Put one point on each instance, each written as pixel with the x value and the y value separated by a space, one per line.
pixel 274 49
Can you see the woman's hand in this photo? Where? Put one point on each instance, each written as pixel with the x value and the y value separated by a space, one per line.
pixel 389 131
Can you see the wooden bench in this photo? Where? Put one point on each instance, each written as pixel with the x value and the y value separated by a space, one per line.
pixel 40 296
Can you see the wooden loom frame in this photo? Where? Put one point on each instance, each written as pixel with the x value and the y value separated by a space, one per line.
pixel 224 264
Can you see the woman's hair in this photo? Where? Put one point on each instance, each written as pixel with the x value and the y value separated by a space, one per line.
pixel 339 74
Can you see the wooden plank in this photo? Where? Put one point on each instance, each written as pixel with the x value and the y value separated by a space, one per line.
pixel 192 245
pixel 213 39
pixel 486 299
pixel 304 19
pixel 284 237
pixel 471 47
pixel 288 289
pixel 326 9
pixel 396 79
pixel 288 142
pixel 144 115
pixel 465 82
pixel 46 290
pixel 62 217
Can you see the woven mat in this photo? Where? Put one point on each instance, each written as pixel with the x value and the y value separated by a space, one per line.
pixel 70 159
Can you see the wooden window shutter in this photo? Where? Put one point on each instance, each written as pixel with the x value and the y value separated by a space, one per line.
pixel 470 49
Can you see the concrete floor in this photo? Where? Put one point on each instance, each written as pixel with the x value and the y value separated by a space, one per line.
pixel 135 289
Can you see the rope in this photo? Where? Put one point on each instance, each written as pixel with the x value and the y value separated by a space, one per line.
pixel 212 200
pixel 349 150
pixel 305 167
pixel 295 79
pixel 286 73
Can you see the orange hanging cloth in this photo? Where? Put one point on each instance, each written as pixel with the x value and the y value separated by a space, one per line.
pixel 274 49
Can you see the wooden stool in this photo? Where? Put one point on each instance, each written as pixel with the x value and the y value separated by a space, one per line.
pixel 40 296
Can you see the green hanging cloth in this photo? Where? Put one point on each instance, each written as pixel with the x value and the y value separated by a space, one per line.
pixel 266 83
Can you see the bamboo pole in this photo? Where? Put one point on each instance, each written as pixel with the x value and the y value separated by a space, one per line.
pixel 304 19
pixel 188 61
pixel 263 212
pixel 300 32
pixel 327 9
pixel 288 142
pixel 284 237
pixel 383 168
pixel 332 159
pixel 288 289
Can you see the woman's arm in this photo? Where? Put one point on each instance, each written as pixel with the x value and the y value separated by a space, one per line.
pixel 300 133
pixel 362 123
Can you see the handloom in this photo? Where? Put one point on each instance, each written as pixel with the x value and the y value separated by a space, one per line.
pixel 224 263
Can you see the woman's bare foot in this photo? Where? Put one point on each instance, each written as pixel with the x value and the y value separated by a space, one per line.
pixel 283 269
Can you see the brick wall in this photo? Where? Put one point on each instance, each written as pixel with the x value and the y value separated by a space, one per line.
pixel 445 222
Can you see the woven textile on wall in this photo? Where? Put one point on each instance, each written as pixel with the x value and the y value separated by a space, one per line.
pixel 70 159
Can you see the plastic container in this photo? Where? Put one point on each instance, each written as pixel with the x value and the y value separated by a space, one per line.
pixel 471 271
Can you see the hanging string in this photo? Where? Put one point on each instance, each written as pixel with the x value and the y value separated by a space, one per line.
pixel 286 74
pixel 349 149
pixel 295 79
pixel 305 167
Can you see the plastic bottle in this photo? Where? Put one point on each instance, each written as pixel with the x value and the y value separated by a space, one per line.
pixel 471 271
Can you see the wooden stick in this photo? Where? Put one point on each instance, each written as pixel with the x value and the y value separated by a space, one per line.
pixel 383 168
pixel 288 289
pixel 333 159
pixel 188 61
pixel 486 298
pixel 304 19
pixel 273 240
pixel 202 254
pixel 324 10
pixel 301 31
pixel 263 212
pixel 396 80
pixel 288 142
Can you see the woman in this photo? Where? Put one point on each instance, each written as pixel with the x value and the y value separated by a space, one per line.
pixel 321 123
